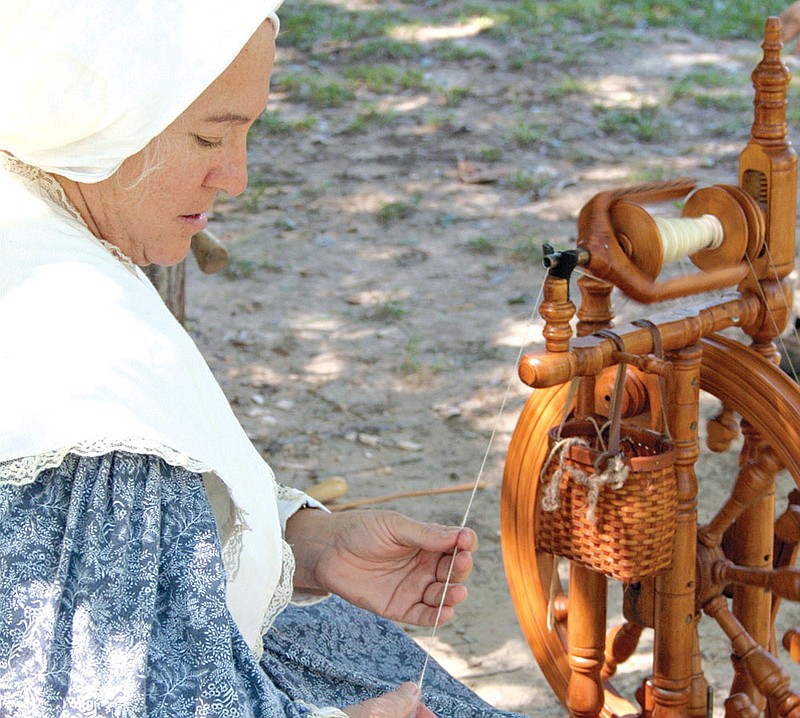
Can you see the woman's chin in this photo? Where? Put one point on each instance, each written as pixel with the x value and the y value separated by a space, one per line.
pixel 167 256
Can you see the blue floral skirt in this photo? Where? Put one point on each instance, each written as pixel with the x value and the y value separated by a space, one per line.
pixel 112 603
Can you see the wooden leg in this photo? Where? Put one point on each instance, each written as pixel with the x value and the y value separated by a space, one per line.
pixel 753 539
pixel 586 639
pixel 675 589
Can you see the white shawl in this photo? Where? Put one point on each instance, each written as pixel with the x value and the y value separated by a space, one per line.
pixel 91 361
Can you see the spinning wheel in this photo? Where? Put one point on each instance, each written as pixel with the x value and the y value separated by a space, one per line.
pixel 530 571
pixel 734 568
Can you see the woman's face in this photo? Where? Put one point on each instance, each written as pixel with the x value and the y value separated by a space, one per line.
pixel 152 217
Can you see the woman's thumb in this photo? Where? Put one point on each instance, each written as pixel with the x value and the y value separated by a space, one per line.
pixel 408 699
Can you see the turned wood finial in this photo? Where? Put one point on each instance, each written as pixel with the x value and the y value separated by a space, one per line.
pixel 771 79
pixel 595 312
pixel 768 163
pixel 557 310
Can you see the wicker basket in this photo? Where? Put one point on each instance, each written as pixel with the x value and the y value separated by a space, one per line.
pixel 628 534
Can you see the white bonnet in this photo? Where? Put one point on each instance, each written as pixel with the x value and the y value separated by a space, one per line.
pixel 85 84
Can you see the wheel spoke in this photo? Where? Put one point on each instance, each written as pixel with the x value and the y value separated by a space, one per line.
pixel 766 672
pixel 621 642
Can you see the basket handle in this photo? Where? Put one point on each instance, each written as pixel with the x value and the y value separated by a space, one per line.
pixel 615 418
pixel 658 350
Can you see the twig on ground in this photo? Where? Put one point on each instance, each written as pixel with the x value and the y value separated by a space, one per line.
pixel 405 495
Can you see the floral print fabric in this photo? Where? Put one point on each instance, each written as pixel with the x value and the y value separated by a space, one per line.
pixel 112 603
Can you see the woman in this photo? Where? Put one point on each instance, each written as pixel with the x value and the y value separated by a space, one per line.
pixel 790 24
pixel 147 554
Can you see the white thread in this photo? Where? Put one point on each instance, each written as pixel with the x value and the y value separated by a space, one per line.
pixel 786 306
pixel 555 582
pixel 475 485
pixel 684 236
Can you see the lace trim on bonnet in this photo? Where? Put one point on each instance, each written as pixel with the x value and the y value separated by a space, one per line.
pixel 46 187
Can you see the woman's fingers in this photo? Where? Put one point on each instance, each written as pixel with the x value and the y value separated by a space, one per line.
pixel 456 593
pixel 461 567
pixel 403 702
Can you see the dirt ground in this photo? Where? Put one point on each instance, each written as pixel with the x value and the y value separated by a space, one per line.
pixel 370 319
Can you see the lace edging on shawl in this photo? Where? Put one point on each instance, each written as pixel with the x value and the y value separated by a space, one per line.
pixel 47 188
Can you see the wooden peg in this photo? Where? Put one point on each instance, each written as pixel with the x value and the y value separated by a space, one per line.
pixel 791 642
pixel 328 490
pixel 210 253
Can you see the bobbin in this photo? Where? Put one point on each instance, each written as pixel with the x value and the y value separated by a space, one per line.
pixel 626 245
pixel 719 226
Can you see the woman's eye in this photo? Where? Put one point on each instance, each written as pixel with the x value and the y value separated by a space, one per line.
pixel 207 142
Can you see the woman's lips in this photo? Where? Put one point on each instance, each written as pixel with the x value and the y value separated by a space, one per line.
pixel 195 221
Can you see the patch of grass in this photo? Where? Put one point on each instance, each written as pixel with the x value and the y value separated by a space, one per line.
pixel 708 75
pixel 710 18
pixel 567 85
pixel 382 78
pixel 370 114
pixel 707 86
pixel 307 25
pixel 411 363
pixel 527 248
pixel 251 200
pixel 728 129
pixel 257 186
pixel 312 191
pixel 645 124
pixel 388 311
pixel 376 78
pixel 454 96
pixel 528 181
pixel 238 268
pixel 385 49
pixel 449 51
pixel 641 175
pixel 612 37
pixel 393 211
pixel 270 122
pixel 439 120
pixel 481 246
pixel 370 35
pixel 489 154
pixel 528 59
pixel 725 102
pixel 317 90
pixel 525 133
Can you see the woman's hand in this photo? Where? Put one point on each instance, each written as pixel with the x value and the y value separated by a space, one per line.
pixel 400 703
pixel 382 561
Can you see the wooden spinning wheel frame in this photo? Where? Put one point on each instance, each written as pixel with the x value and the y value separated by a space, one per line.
pixel 739 567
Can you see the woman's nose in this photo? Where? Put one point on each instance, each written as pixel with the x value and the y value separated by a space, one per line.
pixel 230 174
